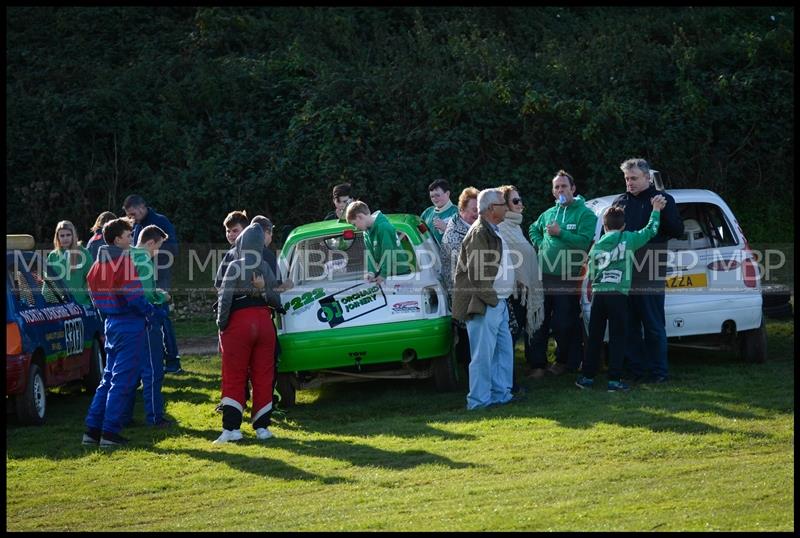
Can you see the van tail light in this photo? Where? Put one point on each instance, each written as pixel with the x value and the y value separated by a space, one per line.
pixel 750 268
pixel 750 273
pixel 13 339
pixel 349 234
pixel 422 227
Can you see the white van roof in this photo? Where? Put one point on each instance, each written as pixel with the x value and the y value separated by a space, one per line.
pixel 598 205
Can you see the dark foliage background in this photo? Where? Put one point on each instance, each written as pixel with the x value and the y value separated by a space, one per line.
pixel 205 110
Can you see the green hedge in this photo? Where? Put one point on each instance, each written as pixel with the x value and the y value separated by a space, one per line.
pixel 206 110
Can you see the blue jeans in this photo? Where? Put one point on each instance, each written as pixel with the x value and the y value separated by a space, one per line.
pixel 646 350
pixel 125 346
pixel 491 368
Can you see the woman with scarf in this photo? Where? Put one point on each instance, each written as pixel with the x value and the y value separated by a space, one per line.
pixel 526 310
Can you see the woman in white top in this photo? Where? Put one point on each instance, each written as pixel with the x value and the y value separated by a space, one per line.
pixel 527 303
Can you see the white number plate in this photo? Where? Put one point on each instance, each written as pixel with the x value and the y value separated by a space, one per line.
pixel 73 336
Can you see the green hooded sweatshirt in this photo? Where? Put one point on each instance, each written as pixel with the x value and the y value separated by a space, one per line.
pixel 145 270
pixel 74 277
pixel 387 256
pixel 611 258
pixel 577 223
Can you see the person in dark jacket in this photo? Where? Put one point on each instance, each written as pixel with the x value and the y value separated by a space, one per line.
pixel 136 208
pixel 646 349
pixel 247 335
pixel 341 197
pixel 96 240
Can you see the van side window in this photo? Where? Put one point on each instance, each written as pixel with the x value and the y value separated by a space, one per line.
pixel 704 226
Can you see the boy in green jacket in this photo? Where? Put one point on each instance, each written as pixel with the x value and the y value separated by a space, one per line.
pixel 610 269
pixel 385 255
pixel 151 370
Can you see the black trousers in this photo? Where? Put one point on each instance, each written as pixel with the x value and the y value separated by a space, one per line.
pixel 611 307
pixel 562 312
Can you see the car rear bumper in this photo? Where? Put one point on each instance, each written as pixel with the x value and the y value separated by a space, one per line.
pixel 371 344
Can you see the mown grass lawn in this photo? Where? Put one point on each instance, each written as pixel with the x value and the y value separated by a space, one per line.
pixel 712 450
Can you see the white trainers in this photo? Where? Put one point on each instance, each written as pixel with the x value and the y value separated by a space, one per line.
pixel 263 433
pixel 228 435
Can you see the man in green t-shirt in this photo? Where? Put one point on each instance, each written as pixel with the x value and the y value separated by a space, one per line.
pixel 439 214
pixel 151 370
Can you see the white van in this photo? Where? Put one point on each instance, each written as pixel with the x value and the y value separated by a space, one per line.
pixel 713 294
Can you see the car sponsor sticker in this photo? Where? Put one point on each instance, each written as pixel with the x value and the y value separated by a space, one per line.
pixel 405 307
pixel 351 303
pixel 303 302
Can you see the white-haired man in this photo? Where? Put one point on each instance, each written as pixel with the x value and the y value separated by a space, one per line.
pixel 484 280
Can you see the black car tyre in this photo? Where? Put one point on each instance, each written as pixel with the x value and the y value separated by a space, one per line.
pixel 446 372
pixel 32 404
pixel 782 311
pixel 287 388
pixel 775 295
pixel 753 343
pixel 96 368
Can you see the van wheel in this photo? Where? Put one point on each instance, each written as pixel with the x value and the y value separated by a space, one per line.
pixel 753 343
pixel 32 404
pixel 445 372
pixel 96 367
pixel 287 389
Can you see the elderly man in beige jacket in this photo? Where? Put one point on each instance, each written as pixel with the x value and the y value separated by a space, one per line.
pixel 484 280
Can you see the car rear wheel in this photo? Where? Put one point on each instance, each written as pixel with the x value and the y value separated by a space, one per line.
pixel 446 372
pixel 32 404
pixel 287 389
pixel 96 367
pixel 753 343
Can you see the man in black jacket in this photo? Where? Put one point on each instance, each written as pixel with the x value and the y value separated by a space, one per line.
pixel 646 349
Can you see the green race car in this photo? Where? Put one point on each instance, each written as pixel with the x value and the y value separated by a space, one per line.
pixel 340 327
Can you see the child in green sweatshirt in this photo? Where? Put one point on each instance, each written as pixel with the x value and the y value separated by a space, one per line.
pixel 610 268
pixel 151 370
pixel 384 253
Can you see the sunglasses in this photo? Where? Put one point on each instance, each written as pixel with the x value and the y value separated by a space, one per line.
pixel 516 201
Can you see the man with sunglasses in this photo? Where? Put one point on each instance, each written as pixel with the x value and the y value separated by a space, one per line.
pixel 562 235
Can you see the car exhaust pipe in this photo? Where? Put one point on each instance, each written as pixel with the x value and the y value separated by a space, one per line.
pixel 408 356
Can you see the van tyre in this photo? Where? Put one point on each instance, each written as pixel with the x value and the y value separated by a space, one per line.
pixel 445 372
pixel 97 364
pixel 753 344
pixel 32 404
pixel 781 311
pixel 286 385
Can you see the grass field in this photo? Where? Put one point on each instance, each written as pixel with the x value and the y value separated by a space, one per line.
pixel 712 450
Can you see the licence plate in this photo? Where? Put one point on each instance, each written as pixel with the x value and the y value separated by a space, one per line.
pixel 697 280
